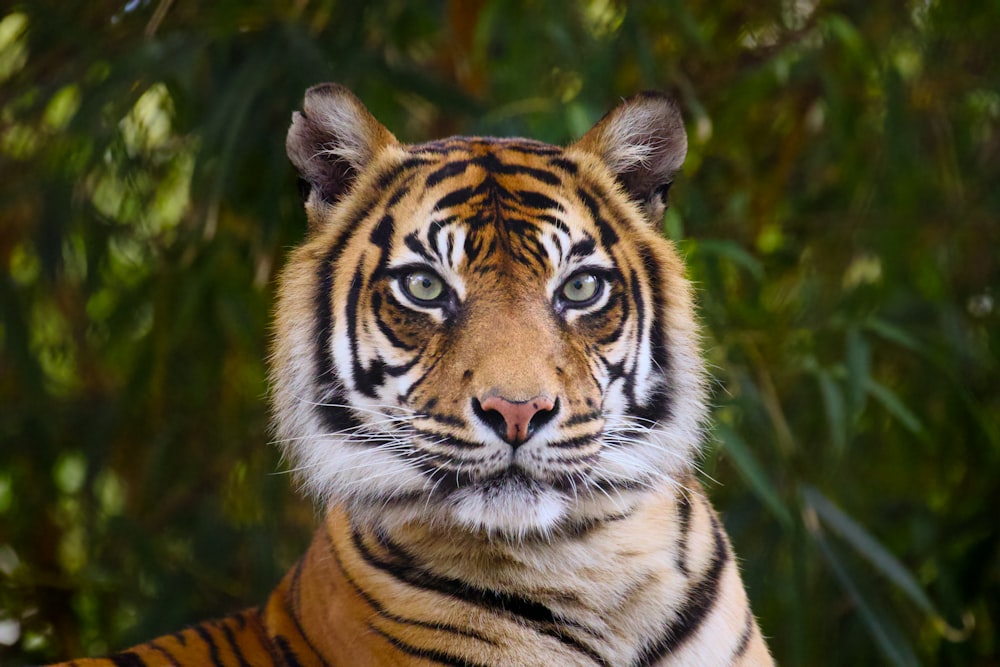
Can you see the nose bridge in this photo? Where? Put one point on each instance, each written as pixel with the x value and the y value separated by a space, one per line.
pixel 514 343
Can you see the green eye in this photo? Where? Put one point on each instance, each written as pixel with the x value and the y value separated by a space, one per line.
pixel 582 288
pixel 423 286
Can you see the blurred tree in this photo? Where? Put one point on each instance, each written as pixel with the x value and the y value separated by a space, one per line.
pixel 840 214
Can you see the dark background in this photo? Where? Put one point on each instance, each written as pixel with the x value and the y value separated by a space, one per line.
pixel 839 211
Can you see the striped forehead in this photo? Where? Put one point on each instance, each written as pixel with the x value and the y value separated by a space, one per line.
pixel 489 205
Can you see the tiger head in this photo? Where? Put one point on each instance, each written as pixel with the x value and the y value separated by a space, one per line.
pixel 486 333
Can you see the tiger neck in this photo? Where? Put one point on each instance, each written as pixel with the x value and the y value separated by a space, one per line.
pixel 588 593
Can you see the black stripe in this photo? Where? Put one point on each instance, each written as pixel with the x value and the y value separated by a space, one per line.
pixel 366 380
pixel 449 440
pixel 292 609
pixel 583 418
pixel 442 146
pixel 258 630
pixel 538 200
pixel 385 613
pixel 213 649
pixel 412 241
pixel 127 659
pixel 159 649
pixel 584 248
pixel 683 527
pixel 454 198
pixel 233 644
pixel 439 657
pixel 608 235
pixel 381 236
pixel 584 527
pixel 658 406
pixel 744 642
pixel 622 484
pixel 448 420
pixel 572 443
pixel 401 191
pixel 493 165
pixel 334 418
pixel 701 597
pixel 528 147
pixel 565 164
pixel 390 175
pixel 420 380
pixel 395 371
pixel 601 316
pixel 449 170
pixel 540 616
pixel 384 327
pixel 287 654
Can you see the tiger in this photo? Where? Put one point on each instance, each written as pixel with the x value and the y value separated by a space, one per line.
pixel 486 369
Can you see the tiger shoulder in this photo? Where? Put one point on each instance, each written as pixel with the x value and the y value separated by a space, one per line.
pixel 486 367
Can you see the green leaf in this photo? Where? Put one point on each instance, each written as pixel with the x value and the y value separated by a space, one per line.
pixel 833 406
pixel 894 334
pixel 869 548
pixel 752 471
pixel 887 636
pixel 858 364
pixel 891 402
pixel 733 252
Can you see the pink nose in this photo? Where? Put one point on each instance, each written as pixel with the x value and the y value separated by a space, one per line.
pixel 517 416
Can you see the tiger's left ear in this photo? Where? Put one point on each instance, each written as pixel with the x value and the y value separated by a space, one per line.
pixel 643 142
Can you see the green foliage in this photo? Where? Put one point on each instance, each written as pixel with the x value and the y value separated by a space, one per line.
pixel 839 211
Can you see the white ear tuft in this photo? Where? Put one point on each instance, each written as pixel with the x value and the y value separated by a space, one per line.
pixel 643 142
pixel 331 140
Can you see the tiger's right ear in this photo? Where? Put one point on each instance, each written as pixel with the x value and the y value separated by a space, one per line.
pixel 643 142
pixel 330 142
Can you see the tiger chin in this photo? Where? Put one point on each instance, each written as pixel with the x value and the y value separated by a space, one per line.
pixel 486 368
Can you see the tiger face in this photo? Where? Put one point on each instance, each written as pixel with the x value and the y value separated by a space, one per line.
pixel 486 333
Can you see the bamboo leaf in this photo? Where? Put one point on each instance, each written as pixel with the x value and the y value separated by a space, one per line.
pixel 733 252
pixel 869 548
pixel 752 471
pixel 894 405
pixel 833 406
pixel 894 334
pixel 887 637
pixel 858 364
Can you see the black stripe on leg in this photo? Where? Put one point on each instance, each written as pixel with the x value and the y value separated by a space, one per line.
pixel 292 603
pixel 213 648
pixel 287 654
pixel 127 659
pixel 159 649
pixel 701 597
pixel 234 645
pixel 439 657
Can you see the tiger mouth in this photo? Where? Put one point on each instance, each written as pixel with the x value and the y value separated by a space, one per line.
pixel 512 479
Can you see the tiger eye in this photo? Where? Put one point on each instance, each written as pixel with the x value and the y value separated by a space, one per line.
pixel 423 286
pixel 581 288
